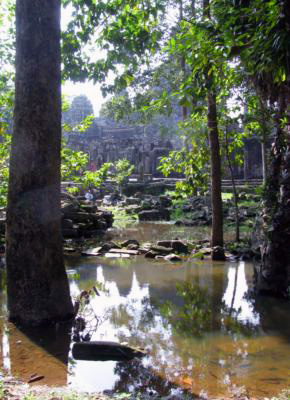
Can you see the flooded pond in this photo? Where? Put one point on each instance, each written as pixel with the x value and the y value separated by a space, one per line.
pixel 203 332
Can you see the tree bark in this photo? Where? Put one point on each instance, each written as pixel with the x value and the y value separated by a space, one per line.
pixel 273 277
pixel 216 190
pixel 37 285
pixel 235 193
pixel 265 134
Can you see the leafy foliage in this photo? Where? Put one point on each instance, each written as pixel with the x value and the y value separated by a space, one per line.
pixel 193 316
pixel 121 171
pixel 125 29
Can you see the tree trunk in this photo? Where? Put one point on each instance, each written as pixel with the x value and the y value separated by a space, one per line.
pixel 273 276
pixel 265 135
pixel 37 285
pixel 235 193
pixel 216 191
pixel 182 62
pixel 264 159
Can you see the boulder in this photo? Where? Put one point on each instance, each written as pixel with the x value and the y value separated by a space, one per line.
pixel 176 245
pixel 78 216
pixel 160 250
pixel 164 243
pixel 218 253
pixel 151 254
pixel 128 242
pixel 165 201
pixel 102 351
pixel 132 247
pixel 117 255
pixel 133 201
pixel 96 251
pixel 67 224
pixel 109 245
pixel 146 205
pixel 172 257
pixel 67 208
pixel 179 246
pixel 125 251
pixel 154 215
pixel 89 208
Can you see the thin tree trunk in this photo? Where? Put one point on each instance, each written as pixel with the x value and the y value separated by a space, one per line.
pixel 264 128
pixel 215 160
pixel 182 62
pixel 216 190
pixel 236 200
pixel 37 285
pixel 234 292
pixel 264 159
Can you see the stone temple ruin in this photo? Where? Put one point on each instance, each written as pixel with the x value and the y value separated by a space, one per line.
pixel 105 141
pixel 108 144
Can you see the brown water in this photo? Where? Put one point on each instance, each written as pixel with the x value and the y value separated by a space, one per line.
pixel 245 342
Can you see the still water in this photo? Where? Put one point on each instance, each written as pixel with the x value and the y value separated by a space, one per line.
pixel 228 338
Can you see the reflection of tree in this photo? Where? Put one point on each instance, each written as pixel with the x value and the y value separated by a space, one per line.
pixel 193 316
pixel 273 313
pixel 125 316
pixel 135 378
pixel 232 325
pixel 121 275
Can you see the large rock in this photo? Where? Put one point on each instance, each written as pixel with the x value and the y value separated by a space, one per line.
pixel 110 245
pixel 172 258
pixel 80 219
pixel 130 201
pixel 160 250
pixel 78 216
pixel 155 215
pixel 165 201
pixel 218 253
pixel 103 351
pixel 89 208
pixel 130 241
pixel 67 224
pixel 177 245
pixel 151 254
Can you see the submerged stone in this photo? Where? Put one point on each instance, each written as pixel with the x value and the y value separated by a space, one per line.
pixel 172 257
pixel 96 251
pixel 117 255
pixel 218 253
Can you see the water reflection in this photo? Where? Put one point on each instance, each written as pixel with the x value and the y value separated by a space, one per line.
pixel 245 341
pixel 234 296
pixel 234 349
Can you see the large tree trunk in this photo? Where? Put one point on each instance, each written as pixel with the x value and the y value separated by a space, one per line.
pixel 216 192
pixel 38 291
pixel 273 277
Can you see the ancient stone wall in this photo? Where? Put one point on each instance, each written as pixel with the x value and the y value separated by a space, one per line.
pixel 142 146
